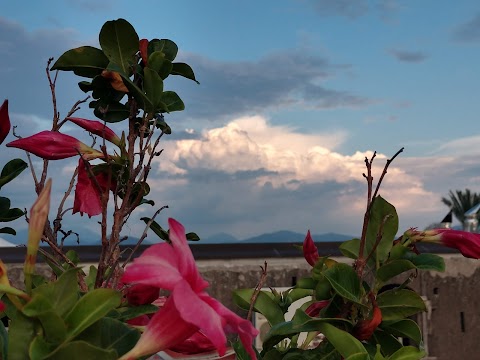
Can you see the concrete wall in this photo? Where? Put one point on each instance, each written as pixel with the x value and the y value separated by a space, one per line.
pixel 450 326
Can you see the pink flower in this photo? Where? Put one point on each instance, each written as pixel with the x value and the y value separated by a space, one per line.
pixel 97 128
pixel 4 121
pixel 52 145
pixel 195 344
pixel 466 242
pixel 88 196
pixel 310 251
pixel 189 308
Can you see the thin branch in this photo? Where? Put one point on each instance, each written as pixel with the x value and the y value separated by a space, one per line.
pixel 389 161
pixel 144 235
pixel 257 290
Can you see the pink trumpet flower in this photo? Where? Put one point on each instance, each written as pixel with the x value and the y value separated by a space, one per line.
pixel 52 145
pixel 310 251
pixel 466 242
pixel 4 121
pixel 98 128
pixel 189 308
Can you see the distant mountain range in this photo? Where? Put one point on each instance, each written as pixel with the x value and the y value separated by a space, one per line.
pixel 88 237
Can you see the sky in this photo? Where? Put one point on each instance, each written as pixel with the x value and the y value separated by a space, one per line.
pixel 293 95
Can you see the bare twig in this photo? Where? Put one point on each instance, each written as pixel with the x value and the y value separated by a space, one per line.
pixel 257 290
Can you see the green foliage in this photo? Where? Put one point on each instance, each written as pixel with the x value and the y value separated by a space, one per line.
pixel 460 202
pixel 118 59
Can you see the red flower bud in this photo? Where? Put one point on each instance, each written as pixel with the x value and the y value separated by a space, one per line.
pixel 4 121
pixel 314 308
pixel 310 251
pixel 52 145
pixel 143 51
pixel 364 328
pixel 97 128
pixel 466 242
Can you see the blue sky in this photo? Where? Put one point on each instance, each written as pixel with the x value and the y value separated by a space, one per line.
pixel 293 94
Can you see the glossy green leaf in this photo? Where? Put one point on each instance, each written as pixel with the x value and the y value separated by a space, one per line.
pixel 11 214
pixel 21 332
pixel 378 354
pixel 344 342
pixel 93 306
pixel 40 348
pixel 427 261
pixel 111 334
pixel 264 304
pixel 110 111
pixel 91 277
pixel 350 248
pixel 360 356
pixel 398 251
pixel 344 281
pixel 399 304
pixel 382 212
pixel 394 268
pixel 160 64
pixel 11 170
pixel 408 353
pixel 297 294
pixel 170 49
pixel 301 323
pixel 323 290
pixel 127 313
pixel 81 350
pixel 62 294
pixel 172 101
pixel 241 353
pixel 120 43
pixel 153 85
pixel 389 344
pixel 184 70
pixel 406 328
pixel 306 283
pixel 84 61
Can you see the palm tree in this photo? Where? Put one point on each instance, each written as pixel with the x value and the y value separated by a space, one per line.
pixel 460 202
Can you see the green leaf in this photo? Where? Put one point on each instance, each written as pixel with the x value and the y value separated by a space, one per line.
pixel 11 170
pixel 344 281
pixel 406 328
pixel 398 251
pixel 127 313
pixel 241 353
pixel 7 230
pixel 427 261
pixel 191 236
pixel 393 268
pixel 172 101
pixel 360 356
pixel 3 341
pixel 301 323
pixel 111 334
pixel 120 43
pixel 21 332
pixel 90 308
pixel 350 248
pixel 11 214
pixel 81 350
pixel 170 49
pixel 110 111
pixel 63 293
pixel 161 65
pixel 389 344
pixel 407 353
pixel 85 61
pixel 382 212
pixel 345 343
pixel 184 70
pixel 91 277
pixel 153 85
pixel 399 304
pixel 157 229
pixel 265 305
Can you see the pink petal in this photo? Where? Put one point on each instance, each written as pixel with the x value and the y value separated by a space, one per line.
pixel 186 261
pixel 194 309
pixel 141 294
pixel 166 328
pixel 195 344
pixel 235 324
pixel 97 128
